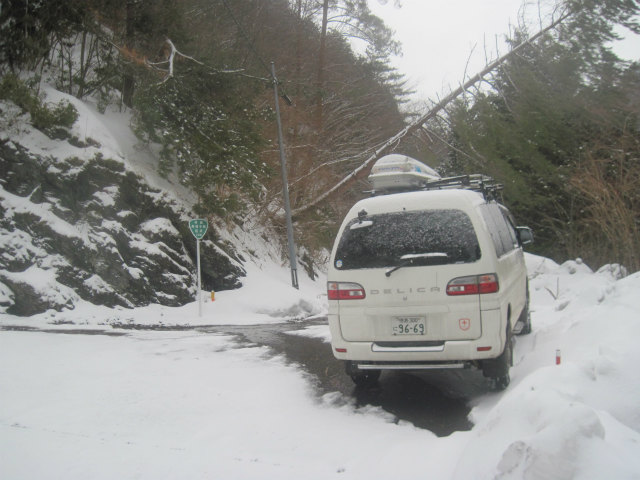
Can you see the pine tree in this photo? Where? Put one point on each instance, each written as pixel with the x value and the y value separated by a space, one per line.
pixel 28 28
pixel 542 122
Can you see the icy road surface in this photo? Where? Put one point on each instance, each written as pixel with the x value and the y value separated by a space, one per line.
pixel 192 404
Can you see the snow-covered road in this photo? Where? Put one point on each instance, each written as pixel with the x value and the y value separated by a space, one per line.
pixel 184 405
pixel 192 404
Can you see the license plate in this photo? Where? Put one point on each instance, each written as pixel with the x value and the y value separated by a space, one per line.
pixel 408 326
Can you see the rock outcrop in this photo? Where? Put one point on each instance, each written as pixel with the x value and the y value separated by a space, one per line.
pixel 93 229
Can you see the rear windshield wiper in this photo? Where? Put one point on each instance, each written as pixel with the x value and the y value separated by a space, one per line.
pixel 409 258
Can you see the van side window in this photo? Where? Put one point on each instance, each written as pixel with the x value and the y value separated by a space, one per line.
pixel 502 232
pixel 490 220
pixel 511 229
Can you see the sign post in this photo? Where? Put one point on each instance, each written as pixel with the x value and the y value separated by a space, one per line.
pixel 198 227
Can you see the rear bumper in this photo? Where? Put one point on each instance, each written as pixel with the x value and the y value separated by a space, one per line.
pixel 411 366
pixel 424 355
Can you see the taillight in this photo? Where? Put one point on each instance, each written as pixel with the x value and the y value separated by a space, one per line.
pixel 473 285
pixel 344 291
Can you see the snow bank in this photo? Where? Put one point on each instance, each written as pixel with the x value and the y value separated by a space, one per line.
pixel 578 419
pixel 263 299
pixel 173 405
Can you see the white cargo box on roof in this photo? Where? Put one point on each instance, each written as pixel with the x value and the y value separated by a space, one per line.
pixel 397 172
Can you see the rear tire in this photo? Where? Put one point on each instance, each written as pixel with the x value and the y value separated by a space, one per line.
pixel 500 383
pixel 362 378
pixel 525 320
pixel 525 317
pixel 526 329
pixel 497 370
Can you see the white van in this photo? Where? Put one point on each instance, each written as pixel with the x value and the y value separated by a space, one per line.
pixel 428 279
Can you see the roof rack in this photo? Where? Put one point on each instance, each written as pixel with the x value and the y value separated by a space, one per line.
pixel 483 184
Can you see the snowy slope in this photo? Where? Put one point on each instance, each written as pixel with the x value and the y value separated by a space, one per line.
pixel 87 218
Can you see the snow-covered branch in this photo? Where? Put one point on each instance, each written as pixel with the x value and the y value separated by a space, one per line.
pixel 173 52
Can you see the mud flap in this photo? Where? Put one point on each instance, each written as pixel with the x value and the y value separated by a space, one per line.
pixel 499 367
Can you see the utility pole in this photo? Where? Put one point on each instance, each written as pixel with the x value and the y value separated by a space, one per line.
pixel 285 185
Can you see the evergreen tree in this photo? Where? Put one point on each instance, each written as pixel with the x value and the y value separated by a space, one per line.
pixel 541 120
pixel 28 28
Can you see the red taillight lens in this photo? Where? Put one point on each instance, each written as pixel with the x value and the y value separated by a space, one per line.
pixel 473 285
pixel 463 286
pixel 344 291
pixel 488 283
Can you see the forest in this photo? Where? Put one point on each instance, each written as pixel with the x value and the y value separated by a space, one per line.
pixel 558 123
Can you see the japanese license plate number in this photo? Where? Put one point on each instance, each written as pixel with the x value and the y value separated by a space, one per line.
pixel 408 326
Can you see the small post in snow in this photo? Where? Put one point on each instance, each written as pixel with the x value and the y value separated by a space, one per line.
pixel 198 227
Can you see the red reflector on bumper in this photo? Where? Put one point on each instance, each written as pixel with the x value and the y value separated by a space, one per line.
pixel 484 349
pixel 341 350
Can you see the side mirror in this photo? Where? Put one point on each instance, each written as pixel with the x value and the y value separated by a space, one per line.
pixel 525 235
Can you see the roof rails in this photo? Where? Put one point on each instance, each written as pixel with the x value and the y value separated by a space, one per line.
pixel 483 184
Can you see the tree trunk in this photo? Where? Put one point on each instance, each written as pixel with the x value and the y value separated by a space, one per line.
pixel 128 81
pixel 321 65
pixel 299 48
pixel 83 66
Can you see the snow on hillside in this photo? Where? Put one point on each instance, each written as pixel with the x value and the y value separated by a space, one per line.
pixel 88 218
pixel 112 136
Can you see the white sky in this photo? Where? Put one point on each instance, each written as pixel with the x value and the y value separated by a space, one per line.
pixel 438 38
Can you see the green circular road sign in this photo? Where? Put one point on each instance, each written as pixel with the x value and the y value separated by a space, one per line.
pixel 198 227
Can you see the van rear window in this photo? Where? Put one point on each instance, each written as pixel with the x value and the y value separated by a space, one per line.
pixel 417 238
